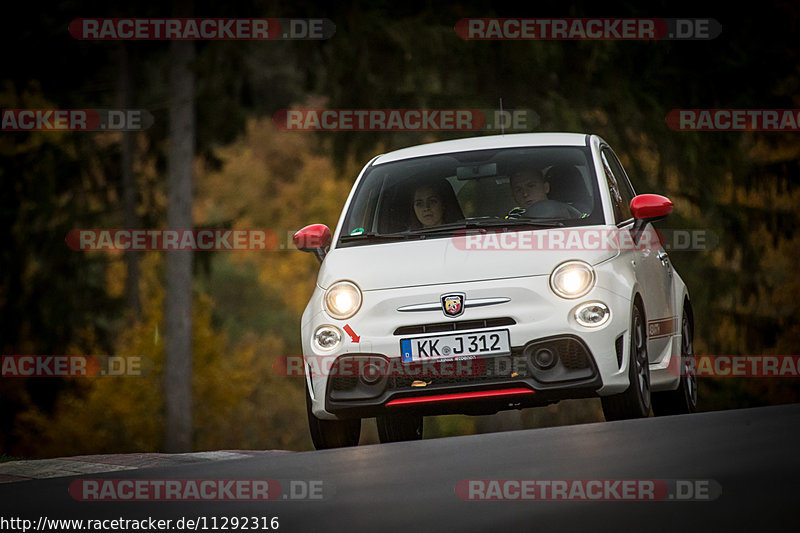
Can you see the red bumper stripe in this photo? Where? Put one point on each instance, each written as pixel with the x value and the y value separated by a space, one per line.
pixel 459 396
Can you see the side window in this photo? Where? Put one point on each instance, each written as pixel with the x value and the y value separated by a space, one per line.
pixel 618 186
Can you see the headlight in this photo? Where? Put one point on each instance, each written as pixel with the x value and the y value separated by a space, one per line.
pixel 572 279
pixel 342 300
pixel 327 338
pixel 592 314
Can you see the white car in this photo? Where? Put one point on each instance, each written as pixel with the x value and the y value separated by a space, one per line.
pixel 490 273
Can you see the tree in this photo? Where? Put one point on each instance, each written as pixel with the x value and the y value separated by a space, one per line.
pixel 129 193
pixel 178 364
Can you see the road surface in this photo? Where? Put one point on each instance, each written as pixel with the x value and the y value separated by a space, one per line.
pixel 742 467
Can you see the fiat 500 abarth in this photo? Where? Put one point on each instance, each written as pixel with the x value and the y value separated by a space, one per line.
pixel 482 274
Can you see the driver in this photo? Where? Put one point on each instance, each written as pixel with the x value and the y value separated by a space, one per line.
pixel 530 189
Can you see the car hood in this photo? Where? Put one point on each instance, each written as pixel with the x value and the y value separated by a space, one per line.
pixel 443 260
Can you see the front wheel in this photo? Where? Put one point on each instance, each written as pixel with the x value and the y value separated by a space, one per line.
pixel 682 400
pixel 635 401
pixel 399 427
pixel 332 433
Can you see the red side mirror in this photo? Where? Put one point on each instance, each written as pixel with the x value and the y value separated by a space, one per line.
pixel 650 207
pixel 314 238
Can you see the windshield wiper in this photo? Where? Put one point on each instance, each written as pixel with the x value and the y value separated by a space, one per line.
pixel 483 223
pixel 490 223
pixel 539 223
pixel 377 237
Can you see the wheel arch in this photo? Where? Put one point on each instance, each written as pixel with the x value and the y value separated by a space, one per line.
pixel 687 305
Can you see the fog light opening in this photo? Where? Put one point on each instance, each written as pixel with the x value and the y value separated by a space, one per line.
pixel 544 358
pixel 327 338
pixel 592 314
pixel 371 373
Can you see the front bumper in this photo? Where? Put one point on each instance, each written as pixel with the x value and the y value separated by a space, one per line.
pixel 532 314
pixel 367 385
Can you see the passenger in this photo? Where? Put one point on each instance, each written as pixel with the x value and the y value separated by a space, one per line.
pixel 428 206
pixel 434 203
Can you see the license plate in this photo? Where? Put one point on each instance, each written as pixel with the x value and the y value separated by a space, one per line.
pixel 457 345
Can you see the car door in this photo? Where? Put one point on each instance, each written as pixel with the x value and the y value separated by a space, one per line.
pixel 651 262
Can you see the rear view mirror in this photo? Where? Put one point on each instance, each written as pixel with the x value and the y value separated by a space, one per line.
pixel 476 171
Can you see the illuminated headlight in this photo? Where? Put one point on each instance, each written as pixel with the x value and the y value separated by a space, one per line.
pixel 572 279
pixel 327 338
pixel 592 314
pixel 342 300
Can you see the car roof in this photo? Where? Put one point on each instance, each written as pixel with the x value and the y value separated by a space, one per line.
pixel 487 142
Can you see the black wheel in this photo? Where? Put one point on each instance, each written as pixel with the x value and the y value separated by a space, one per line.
pixel 399 427
pixel 682 400
pixel 635 401
pixel 332 433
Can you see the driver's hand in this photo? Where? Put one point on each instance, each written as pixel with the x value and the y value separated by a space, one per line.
pixel 516 212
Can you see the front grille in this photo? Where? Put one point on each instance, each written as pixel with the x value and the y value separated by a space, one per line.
pixel 440 381
pixel 342 383
pixel 457 325
pixel 572 353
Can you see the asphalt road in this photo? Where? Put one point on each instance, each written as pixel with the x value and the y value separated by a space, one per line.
pixel 745 465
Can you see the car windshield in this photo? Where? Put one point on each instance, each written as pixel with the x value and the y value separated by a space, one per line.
pixel 511 188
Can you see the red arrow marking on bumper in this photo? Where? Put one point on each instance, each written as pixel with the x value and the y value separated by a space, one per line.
pixel 349 331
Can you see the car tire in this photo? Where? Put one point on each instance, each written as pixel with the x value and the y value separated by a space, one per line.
pixel 399 427
pixel 332 433
pixel 682 400
pixel 635 401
